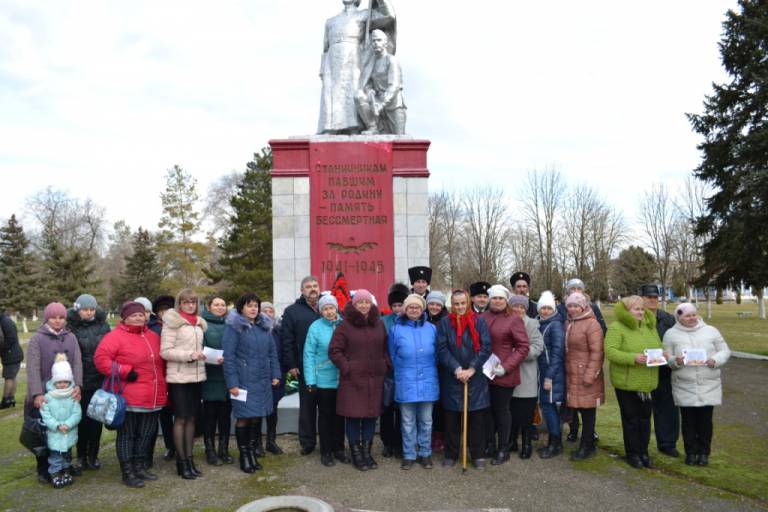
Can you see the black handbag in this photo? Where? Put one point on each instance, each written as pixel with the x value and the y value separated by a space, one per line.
pixel 388 392
pixel 34 436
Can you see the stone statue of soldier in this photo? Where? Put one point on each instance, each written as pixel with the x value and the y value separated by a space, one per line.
pixel 345 56
pixel 380 99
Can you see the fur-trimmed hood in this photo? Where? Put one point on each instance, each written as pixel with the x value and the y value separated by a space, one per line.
pixel 353 316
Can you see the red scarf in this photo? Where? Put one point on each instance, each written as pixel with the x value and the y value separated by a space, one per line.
pixel 460 322
pixel 192 319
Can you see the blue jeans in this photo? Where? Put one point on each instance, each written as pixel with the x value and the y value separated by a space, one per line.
pixel 416 429
pixel 59 461
pixel 360 429
pixel 552 418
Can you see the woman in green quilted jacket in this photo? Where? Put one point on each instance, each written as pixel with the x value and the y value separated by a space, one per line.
pixel 628 337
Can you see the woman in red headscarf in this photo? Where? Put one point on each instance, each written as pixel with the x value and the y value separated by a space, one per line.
pixel 463 346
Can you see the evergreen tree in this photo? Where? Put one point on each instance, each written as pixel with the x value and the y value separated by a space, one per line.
pixel 66 272
pixel 734 126
pixel 180 255
pixel 246 250
pixel 633 268
pixel 18 273
pixel 142 275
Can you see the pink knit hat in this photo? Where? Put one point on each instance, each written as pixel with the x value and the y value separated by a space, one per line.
pixel 53 310
pixel 577 298
pixel 362 295
pixel 684 309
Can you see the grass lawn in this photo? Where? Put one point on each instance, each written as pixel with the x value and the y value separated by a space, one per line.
pixel 745 335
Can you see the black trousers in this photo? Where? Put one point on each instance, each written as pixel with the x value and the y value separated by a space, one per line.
pixel 522 414
pixel 697 429
pixel 666 415
pixel 307 416
pixel 475 434
pixel 635 422
pixel 217 415
pixel 271 421
pixel 502 415
pixel 89 430
pixel 136 436
pixel 588 419
pixel 390 423
pixel 330 424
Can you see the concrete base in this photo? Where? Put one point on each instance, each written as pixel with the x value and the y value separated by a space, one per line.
pixel 290 503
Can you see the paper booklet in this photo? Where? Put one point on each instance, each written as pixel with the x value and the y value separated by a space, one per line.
pixel 212 355
pixel 655 357
pixel 489 366
pixel 694 357
pixel 242 396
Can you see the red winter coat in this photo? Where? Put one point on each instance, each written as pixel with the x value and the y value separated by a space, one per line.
pixel 509 341
pixel 359 350
pixel 138 351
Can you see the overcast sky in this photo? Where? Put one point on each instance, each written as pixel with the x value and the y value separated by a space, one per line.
pixel 100 98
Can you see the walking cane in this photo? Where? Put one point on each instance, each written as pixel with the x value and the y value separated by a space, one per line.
pixel 464 429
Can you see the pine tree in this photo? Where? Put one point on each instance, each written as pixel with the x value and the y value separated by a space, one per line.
pixel 180 255
pixel 66 272
pixel 142 274
pixel 18 270
pixel 735 154
pixel 246 260
pixel 633 268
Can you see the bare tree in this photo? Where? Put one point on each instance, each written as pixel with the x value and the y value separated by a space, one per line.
pixel 445 224
pixel 581 208
pixel 690 205
pixel 658 220
pixel 542 195
pixel 217 210
pixel 608 233
pixel 522 247
pixel 485 234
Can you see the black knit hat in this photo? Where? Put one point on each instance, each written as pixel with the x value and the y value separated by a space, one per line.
pixel 163 302
pixel 397 294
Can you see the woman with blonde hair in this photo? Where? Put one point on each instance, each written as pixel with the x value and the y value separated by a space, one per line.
pixel 181 345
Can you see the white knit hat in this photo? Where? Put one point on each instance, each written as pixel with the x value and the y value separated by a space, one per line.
pixel 61 370
pixel 498 290
pixel 547 299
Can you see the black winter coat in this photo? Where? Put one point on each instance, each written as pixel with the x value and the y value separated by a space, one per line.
pixel 450 357
pixel 664 322
pixel 293 332
pixel 89 335
pixel 10 350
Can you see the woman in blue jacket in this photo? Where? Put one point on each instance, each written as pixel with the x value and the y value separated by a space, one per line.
pixel 322 378
pixel 412 348
pixel 551 373
pixel 251 365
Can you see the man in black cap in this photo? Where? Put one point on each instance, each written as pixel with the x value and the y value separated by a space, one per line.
pixel 420 279
pixel 478 293
pixel 521 285
pixel 666 416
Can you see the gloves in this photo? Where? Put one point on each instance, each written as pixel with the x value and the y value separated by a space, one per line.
pixel 132 376
pixel 499 371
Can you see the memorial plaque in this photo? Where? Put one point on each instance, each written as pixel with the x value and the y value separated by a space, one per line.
pixel 351 214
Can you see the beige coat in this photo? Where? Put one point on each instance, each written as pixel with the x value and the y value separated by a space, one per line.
pixel 179 339
pixel 696 386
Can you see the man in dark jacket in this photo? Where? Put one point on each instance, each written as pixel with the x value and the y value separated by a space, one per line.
pixel 666 416
pixel 521 285
pixel 296 321
pixel 11 356
pixel 420 277
pixel 478 293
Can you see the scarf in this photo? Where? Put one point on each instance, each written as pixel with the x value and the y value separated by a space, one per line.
pixel 461 322
pixel 192 319
pixel 61 393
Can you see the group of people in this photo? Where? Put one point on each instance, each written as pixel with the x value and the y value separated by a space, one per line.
pixel 417 367
pixel 495 355
pixel 159 355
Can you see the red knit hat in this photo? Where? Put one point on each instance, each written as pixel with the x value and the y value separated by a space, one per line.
pixel 131 307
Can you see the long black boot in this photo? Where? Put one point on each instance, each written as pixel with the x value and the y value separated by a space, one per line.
pixel 42 469
pixel 93 456
pixel 272 435
pixel 526 449
pixel 184 470
pixel 367 455
pixel 223 452
pixel 129 475
pixel 257 443
pixel 193 468
pixel 210 452
pixel 141 470
pixel 357 457
pixel 243 436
